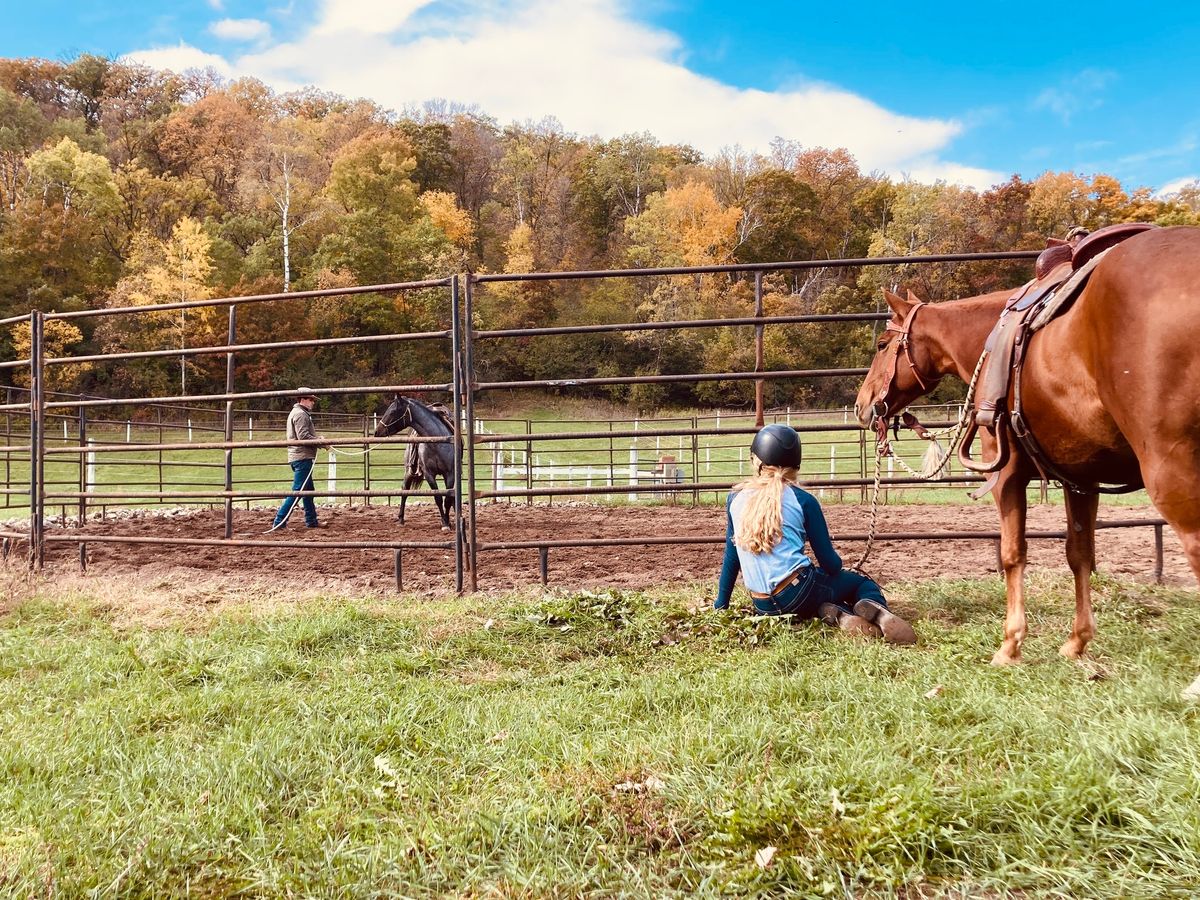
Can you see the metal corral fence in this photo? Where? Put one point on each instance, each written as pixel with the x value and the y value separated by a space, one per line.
pixel 78 447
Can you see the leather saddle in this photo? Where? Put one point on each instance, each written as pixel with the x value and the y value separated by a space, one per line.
pixel 1061 272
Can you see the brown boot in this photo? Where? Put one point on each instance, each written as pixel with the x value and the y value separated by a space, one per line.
pixel 847 622
pixel 895 629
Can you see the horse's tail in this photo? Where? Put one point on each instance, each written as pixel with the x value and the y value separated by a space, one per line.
pixel 412 461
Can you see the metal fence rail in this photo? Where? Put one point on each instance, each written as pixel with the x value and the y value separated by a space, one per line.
pixel 87 437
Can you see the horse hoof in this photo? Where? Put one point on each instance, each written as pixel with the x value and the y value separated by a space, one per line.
pixel 445 528
pixel 1191 693
pixel 1003 658
pixel 1073 649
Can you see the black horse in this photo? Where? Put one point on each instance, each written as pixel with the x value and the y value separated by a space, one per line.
pixel 426 460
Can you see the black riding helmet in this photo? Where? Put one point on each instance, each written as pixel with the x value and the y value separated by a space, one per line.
pixel 777 445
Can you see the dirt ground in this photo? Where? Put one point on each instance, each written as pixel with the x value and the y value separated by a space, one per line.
pixel 1126 551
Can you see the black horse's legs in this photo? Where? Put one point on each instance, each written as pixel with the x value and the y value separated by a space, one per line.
pixel 443 503
pixel 410 481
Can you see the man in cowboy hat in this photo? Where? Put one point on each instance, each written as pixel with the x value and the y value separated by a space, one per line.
pixel 301 458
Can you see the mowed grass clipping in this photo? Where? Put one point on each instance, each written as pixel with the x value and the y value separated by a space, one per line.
pixel 598 743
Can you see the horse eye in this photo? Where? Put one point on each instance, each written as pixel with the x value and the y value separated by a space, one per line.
pixel 881 346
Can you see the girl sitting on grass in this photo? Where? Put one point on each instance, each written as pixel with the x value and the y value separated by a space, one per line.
pixel 769 519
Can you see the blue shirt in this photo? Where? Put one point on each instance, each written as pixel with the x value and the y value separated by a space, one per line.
pixel 803 522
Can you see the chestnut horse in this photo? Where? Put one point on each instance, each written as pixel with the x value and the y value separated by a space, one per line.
pixel 1110 389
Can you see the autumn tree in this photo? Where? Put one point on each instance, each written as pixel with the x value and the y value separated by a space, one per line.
pixel 59 339
pixel 160 272
pixel 208 140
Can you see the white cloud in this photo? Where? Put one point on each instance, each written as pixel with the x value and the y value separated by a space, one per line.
pixel 180 59
pixel 366 16
pixel 1174 187
pixel 1075 94
pixel 931 170
pixel 596 70
pixel 240 29
pixel 218 5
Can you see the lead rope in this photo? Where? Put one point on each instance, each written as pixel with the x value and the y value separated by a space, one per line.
pixel 955 430
pixel 883 448
pixel 339 452
pixel 862 560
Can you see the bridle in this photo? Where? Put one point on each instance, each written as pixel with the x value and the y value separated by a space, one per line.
pixel 403 420
pixel 880 408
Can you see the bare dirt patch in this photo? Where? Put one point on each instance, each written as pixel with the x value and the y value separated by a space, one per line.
pixel 204 573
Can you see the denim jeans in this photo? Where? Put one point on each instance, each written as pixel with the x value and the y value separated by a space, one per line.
pixel 301 481
pixel 815 587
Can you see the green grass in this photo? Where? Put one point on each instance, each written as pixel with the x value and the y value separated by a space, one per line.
pixel 596 744
pixel 592 462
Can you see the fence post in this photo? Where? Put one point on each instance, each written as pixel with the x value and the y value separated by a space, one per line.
pixel 529 463
pixel 695 461
pixel 862 466
pixel 367 464
pixel 7 444
pixel 611 461
pixel 497 469
pixel 468 377
pixel 1158 554
pixel 85 465
pixel 160 455
pixel 36 440
pixel 228 423
pixel 457 386
pixel 758 351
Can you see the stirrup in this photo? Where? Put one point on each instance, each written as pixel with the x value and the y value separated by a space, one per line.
pixel 983 467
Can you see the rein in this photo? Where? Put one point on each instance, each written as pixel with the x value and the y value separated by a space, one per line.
pixel 883 446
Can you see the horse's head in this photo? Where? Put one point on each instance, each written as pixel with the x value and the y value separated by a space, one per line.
pixel 396 417
pixel 899 372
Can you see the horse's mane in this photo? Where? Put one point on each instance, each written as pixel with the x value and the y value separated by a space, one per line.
pixel 440 410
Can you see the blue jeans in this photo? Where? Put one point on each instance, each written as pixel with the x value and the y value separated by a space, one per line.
pixel 301 481
pixel 815 587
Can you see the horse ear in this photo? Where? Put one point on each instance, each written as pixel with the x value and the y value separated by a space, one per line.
pixel 913 298
pixel 898 304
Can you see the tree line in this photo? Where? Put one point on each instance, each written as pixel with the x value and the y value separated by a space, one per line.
pixel 121 185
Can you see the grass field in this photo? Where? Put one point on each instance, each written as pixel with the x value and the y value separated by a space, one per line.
pixel 842 451
pixel 598 744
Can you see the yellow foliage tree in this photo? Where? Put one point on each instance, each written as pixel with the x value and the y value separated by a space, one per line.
pixel 451 219
pixel 173 271
pixel 58 336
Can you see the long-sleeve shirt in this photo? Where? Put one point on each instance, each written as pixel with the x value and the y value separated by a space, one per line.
pixel 803 521
pixel 300 428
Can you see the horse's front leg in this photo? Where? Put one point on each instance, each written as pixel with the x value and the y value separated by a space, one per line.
pixel 1081 555
pixel 443 503
pixel 1011 501
pixel 410 481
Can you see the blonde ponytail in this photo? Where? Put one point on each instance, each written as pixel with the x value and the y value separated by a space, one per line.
pixel 760 526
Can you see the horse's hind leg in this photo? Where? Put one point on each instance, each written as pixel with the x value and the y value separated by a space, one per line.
pixel 1081 556
pixel 1171 483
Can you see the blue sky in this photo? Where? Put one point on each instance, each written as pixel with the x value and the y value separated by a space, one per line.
pixel 935 90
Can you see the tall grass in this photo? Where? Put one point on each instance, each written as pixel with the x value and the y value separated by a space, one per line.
pixel 597 744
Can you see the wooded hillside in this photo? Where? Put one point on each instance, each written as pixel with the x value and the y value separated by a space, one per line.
pixel 121 185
